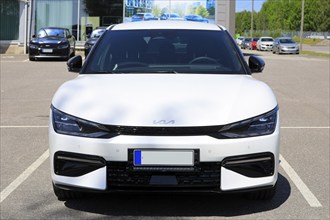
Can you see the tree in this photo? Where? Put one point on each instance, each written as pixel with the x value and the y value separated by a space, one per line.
pixel 200 10
pixel 283 15
pixel 156 10
pixel 211 11
pixel 243 22
pixel 190 10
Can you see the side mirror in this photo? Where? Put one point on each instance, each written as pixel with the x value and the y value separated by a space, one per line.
pixel 69 36
pixel 34 36
pixel 256 64
pixel 74 64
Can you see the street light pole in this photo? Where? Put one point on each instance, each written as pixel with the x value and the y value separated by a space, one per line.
pixel 302 23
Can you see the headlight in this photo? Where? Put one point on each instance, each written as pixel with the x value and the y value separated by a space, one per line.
pixel 33 46
pixel 63 46
pixel 261 125
pixel 70 125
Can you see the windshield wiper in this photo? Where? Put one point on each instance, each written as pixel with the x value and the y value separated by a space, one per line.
pixel 166 71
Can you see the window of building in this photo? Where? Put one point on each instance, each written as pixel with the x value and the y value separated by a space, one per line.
pixel 79 16
pixel 9 19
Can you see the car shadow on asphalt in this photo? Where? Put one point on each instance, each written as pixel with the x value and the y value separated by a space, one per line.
pixel 179 205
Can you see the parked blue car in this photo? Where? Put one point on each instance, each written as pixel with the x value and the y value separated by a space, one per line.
pixel 171 16
pixel 143 17
pixel 197 18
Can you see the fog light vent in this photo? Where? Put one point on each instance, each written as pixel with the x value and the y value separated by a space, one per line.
pixel 73 165
pixel 253 165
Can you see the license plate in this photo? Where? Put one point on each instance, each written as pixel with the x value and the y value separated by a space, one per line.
pixel 163 157
pixel 47 50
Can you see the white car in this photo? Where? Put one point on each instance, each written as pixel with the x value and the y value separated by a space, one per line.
pixel 171 106
pixel 265 43
pixel 239 40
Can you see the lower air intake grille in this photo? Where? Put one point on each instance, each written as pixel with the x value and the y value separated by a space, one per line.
pixel 121 174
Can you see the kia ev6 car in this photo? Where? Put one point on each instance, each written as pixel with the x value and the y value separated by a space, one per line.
pixel 171 107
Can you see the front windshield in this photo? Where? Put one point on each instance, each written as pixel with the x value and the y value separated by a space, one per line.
pixel 267 39
pixel 286 41
pixel 97 33
pixel 165 51
pixel 51 32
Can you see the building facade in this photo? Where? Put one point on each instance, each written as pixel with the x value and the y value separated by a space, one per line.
pixel 20 19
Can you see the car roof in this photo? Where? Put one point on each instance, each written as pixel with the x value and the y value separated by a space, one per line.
pixel 182 25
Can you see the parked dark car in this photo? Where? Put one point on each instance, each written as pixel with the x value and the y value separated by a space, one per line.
pixel 52 42
pixel 253 43
pixel 93 38
pixel 285 45
pixel 143 17
pixel 197 18
pixel 245 43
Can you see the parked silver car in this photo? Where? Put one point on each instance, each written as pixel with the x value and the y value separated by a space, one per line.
pixel 285 45
pixel 265 43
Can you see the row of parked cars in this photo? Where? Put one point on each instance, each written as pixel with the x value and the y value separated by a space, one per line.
pixel 59 43
pixel 279 45
pixel 168 16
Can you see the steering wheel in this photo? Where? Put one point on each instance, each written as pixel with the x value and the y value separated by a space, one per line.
pixel 202 60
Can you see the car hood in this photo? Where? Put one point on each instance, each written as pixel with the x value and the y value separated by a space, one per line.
pixel 182 99
pixel 267 42
pixel 289 45
pixel 49 40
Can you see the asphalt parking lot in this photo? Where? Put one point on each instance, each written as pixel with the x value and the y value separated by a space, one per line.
pixel 301 84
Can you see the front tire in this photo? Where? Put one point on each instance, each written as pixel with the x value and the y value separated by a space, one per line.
pixel 64 195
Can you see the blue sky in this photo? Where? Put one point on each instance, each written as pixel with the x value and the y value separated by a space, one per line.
pixel 242 5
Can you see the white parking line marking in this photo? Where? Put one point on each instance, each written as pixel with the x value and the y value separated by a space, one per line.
pixel 24 126
pixel 304 190
pixel 21 178
pixel 325 127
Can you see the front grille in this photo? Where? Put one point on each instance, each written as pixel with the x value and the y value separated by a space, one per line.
pixel 123 174
pixel 51 46
pixel 163 131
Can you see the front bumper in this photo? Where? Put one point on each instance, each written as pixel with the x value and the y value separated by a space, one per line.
pixel 51 52
pixel 220 165
pixel 268 47
pixel 289 50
